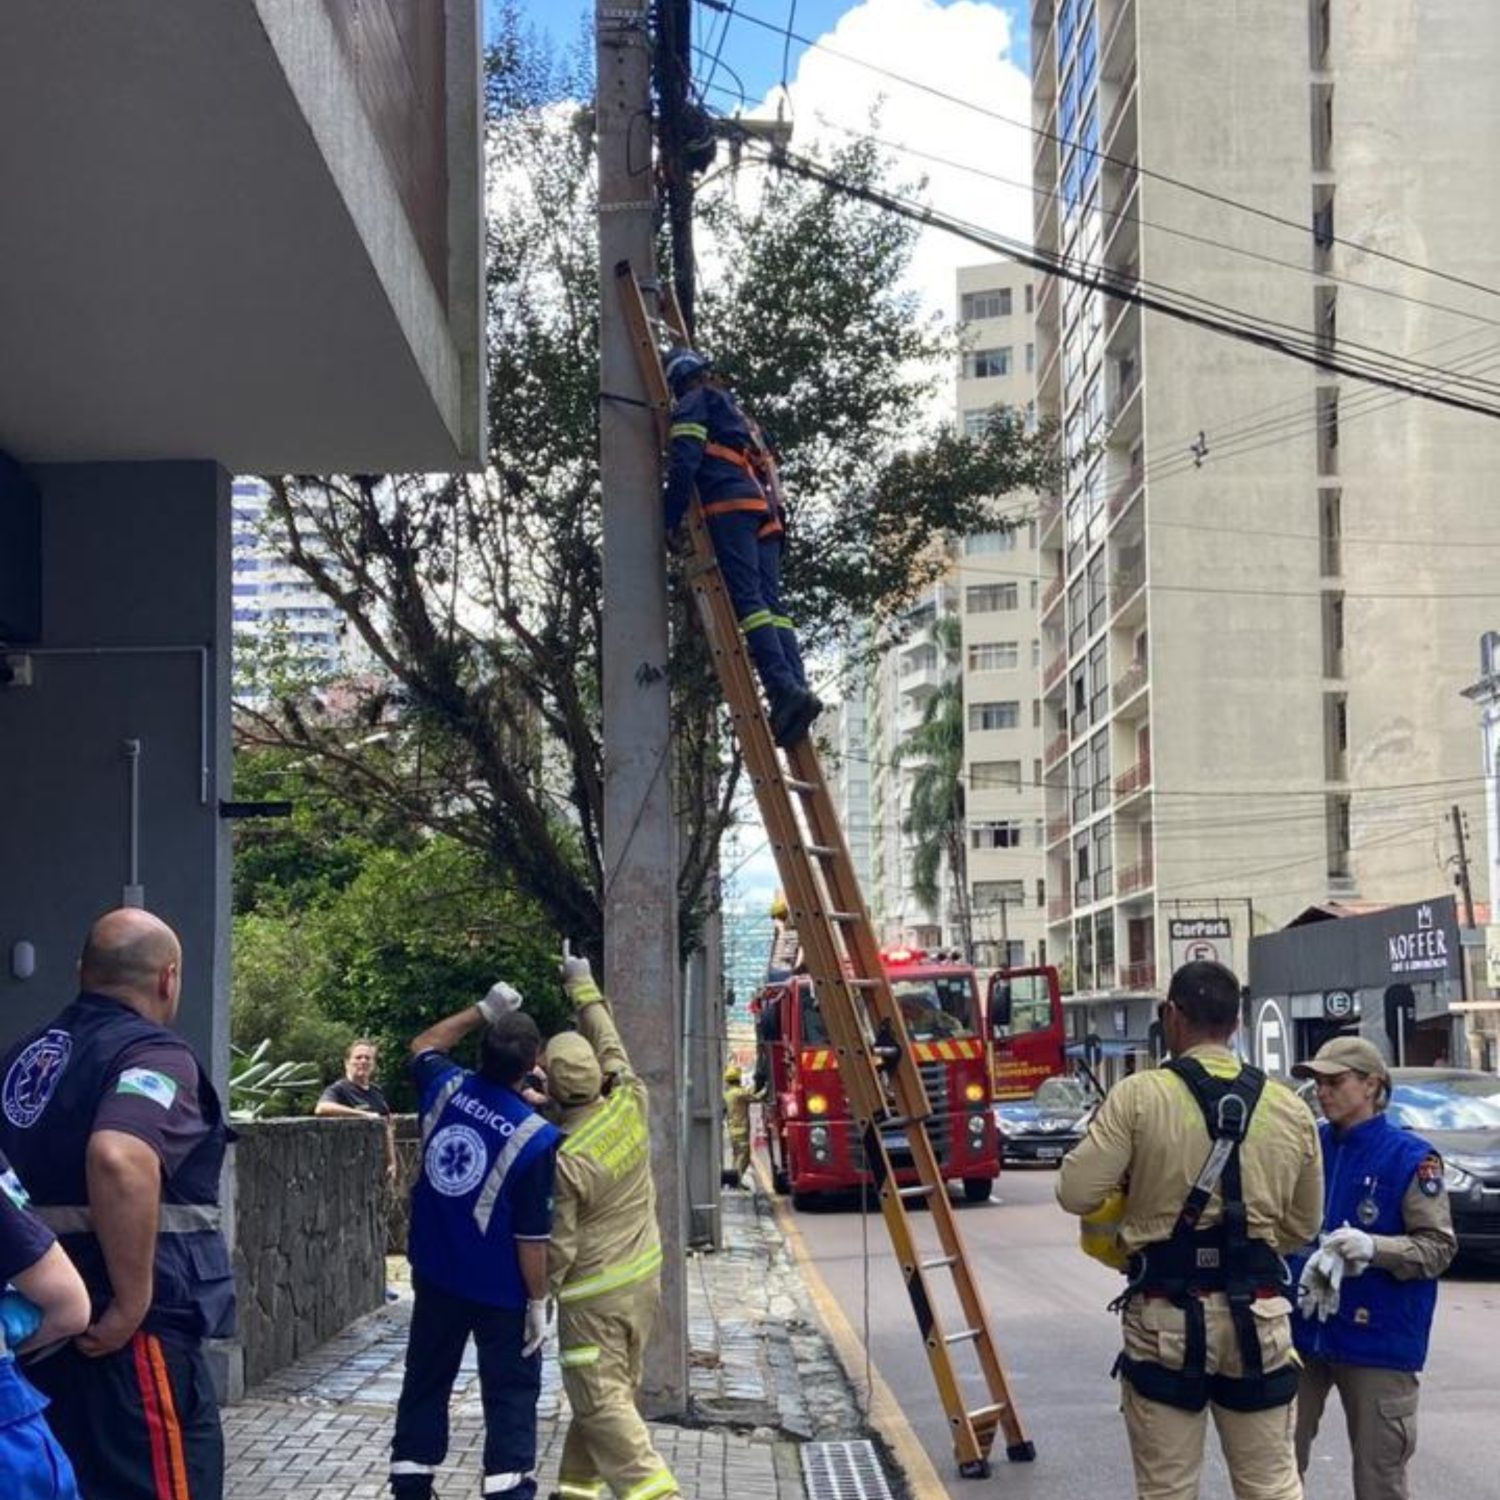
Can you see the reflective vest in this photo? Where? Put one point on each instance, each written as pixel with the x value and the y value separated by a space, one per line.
pixel 476 1137
pixel 1192 1262
pixel 1380 1321
pixel 53 1082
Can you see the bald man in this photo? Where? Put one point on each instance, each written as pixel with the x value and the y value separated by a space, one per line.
pixel 113 1124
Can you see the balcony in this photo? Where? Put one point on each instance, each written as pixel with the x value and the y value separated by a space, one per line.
pixel 921 675
pixel 1049 513
pixel 1053 594
pixel 1059 909
pixel 1128 384
pixel 1136 779
pixel 1136 878
pixel 1128 684
pixel 1124 103
pixel 1118 28
pixel 1126 491
pixel 1046 300
pixel 1056 749
pixel 1053 672
pixel 1058 828
pixel 1123 591
pixel 1139 976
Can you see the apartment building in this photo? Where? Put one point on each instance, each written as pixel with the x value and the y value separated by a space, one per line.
pixel 996 575
pixel 1264 580
pixel 843 734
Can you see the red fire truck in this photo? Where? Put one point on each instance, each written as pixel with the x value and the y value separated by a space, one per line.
pixel 809 1134
pixel 1026 1030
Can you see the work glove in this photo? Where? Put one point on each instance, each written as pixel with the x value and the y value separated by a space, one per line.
pixel 1318 1286
pixel 1354 1245
pixel 20 1317
pixel 501 999
pixel 538 1321
pixel 574 970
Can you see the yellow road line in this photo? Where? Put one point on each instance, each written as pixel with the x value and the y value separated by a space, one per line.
pixel 885 1411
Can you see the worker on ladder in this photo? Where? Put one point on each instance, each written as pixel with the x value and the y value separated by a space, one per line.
pixel 605 1257
pixel 717 447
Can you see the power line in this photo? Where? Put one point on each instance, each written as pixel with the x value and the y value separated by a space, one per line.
pixel 1297 349
pixel 1163 177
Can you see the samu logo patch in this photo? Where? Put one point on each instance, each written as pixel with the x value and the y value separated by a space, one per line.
pixel 456 1159
pixel 147 1083
pixel 33 1078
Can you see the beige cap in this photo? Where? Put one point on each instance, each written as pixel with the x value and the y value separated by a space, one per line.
pixel 1344 1054
pixel 573 1072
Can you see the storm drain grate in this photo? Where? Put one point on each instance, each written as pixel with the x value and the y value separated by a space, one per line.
pixel 843 1471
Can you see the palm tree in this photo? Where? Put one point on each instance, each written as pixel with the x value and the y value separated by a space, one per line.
pixel 936 820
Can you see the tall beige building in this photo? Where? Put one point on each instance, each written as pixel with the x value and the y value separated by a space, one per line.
pixel 996 577
pixel 1264 581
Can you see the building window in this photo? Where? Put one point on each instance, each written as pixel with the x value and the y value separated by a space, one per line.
pixel 1036 653
pixel 1036 713
pixel 1030 358
pixel 985 364
pixel 990 541
pixel 977 423
pixel 992 304
pixel 1003 834
pixel 994 715
pixel 994 656
pixel 1030 297
pixel 990 598
pixel 995 775
pixel 991 895
pixel 1338 838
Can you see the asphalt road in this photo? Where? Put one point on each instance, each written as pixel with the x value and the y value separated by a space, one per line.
pixel 1047 1307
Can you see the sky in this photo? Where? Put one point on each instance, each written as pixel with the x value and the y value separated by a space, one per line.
pixel 972 49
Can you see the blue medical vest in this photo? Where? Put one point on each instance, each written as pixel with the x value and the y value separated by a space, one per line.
pixel 478 1140
pixel 1381 1321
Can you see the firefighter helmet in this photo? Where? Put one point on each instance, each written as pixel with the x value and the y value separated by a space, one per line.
pixel 684 366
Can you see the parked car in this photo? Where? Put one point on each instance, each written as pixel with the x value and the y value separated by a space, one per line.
pixel 1458 1111
pixel 1047 1126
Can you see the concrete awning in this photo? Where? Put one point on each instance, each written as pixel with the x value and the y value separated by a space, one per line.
pixel 245 230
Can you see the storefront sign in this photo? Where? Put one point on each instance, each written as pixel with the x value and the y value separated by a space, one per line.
pixel 1193 938
pixel 1420 950
pixel 1338 1005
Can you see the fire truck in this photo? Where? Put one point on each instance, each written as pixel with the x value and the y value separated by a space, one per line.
pixel 1026 1030
pixel 809 1133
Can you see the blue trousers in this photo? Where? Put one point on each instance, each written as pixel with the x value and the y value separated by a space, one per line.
pixel 508 1388
pixel 752 574
pixel 34 1466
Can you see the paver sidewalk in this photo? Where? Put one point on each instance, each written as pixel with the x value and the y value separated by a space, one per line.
pixel 761 1378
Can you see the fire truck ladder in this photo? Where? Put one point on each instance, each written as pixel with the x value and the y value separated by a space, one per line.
pixel 875 1057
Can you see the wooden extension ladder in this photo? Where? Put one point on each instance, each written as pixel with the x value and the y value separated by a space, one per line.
pixel 876 1062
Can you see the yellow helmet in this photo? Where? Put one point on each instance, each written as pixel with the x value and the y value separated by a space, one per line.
pixel 732 1073
pixel 779 909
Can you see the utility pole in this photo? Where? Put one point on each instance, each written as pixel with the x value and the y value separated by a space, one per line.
pixel 673 63
pixel 1463 867
pixel 641 968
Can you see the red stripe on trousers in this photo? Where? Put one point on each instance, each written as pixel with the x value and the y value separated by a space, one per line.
pixel 155 1429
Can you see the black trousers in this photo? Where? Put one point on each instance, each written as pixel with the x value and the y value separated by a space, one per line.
pixel 139 1424
pixel 508 1388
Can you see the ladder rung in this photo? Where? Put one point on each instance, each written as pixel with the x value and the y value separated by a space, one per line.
pixel 921 1190
pixel 821 851
pixel 846 916
pixel 807 788
pixel 987 1416
pixel 939 1264
pixel 863 984
pixel 964 1336
pixel 900 1122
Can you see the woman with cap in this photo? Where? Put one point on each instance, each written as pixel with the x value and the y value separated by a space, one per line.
pixel 1369 1293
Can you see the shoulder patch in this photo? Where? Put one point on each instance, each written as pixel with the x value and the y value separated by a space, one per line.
pixel 1430 1174
pixel 34 1076
pixel 10 1185
pixel 147 1083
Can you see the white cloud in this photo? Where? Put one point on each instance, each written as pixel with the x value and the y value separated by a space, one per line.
pixel 963 49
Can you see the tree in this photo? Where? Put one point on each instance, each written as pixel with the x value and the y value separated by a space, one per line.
pixel 937 818
pixel 479 596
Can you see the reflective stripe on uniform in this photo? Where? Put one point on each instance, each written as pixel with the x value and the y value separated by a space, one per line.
pixel 757 620
pixel 644 1265
pixel 782 623
pixel 580 1489
pixel 484 1205
pixel 407 1466
pixel 727 507
pixel 690 430
pixel 582 1354
pixel 660 1483
pixel 175 1218
pixel 450 1087
pixel 501 1484
pixel 591 1127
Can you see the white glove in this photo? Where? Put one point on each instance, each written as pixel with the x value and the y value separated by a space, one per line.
pixel 574 970
pixel 1354 1245
pixel 538 1321
pixel 1318 1286
pixel 500 1001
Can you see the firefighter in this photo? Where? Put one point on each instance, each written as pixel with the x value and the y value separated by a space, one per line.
pixel 737 1101
pixel 604 1264
pixel 717 447
pixel 1224 1176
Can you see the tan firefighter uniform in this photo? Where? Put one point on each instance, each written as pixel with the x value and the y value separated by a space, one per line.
pixel 737 1102
pixel 604 1264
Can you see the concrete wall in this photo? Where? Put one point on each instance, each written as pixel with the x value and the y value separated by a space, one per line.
pixel 135 646
pixel 310 1250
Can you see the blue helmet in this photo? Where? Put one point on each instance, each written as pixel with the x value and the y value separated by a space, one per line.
pixel 684 366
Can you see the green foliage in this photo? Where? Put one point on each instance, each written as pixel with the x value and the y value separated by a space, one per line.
pixel 260 1087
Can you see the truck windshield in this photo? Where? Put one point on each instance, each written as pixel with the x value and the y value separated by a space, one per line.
pixel 934 1008
pixel 1030 1005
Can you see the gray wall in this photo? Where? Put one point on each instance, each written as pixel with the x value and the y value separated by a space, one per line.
pixel 310 1252
pixel 134 556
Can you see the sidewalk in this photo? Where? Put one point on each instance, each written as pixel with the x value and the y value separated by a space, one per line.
pixel 762 1379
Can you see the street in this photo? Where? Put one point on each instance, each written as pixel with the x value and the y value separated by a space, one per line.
pixel 1047 1308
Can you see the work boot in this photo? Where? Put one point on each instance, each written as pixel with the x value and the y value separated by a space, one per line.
pixel 793 717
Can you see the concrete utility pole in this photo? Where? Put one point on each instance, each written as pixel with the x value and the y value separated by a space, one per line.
pixel 1463 867
pixel 640 847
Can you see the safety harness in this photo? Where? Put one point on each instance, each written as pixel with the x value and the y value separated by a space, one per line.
pixel 1193 1263
pixel 754 472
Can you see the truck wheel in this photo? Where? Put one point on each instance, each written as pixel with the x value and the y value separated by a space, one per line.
pixel 780 1182
pixel 978 1189
pixel 804 1201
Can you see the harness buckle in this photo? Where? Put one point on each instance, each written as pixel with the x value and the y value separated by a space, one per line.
pixel 1234 1129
